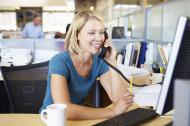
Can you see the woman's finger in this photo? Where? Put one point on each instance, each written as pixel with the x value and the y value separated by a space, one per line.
pixel 127 100
pixel 129 105
pixel 107 44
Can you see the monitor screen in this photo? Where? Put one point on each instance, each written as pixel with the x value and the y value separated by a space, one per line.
pixel 118 32
pixel 178 65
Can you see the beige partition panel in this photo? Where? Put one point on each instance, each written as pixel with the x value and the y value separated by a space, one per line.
pixel 154 23
pixel 171 12
pixel 138 20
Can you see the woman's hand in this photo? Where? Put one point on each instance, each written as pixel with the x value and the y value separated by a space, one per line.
pixel 123 104
pixel 112 52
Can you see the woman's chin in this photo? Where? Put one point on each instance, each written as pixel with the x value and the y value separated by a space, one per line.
pixel 94 52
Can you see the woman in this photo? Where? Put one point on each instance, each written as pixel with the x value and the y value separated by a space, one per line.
pixel 72 73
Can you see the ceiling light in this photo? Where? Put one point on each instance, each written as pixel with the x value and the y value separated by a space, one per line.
pixel 125 6
pixel 91 8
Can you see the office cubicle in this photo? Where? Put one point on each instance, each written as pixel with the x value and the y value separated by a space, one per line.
pixel 157 24
pixel 42 49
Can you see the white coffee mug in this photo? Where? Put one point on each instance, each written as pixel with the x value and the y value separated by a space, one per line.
pixel 55 115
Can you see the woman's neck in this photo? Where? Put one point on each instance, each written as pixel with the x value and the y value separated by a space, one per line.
pixel 82 58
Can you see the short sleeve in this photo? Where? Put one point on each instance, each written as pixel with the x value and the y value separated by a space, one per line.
pixel 24 32
pixel 58 66
pixel 41 34
pixel 103 68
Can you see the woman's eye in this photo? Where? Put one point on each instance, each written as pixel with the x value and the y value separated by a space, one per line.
pixel 91 33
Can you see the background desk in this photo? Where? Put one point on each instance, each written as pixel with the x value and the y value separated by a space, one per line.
pixel 35 120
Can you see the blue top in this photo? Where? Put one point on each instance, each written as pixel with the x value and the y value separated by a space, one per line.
pixel 78 86
pixel 32 31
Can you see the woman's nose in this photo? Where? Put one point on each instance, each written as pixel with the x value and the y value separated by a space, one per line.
pixel 98 37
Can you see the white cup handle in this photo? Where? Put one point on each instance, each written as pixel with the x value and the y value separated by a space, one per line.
pixel 42 116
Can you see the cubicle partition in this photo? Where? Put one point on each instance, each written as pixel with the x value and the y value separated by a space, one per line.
pixel 162 20
pixel 44 44
pixel 171 12
pixel 138 24
pixel 154 23
pixel 42 49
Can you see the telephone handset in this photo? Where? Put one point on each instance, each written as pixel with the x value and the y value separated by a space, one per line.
pixel 104 50
pixel 102 54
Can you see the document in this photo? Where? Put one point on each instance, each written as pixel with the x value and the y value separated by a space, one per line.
pixel 147 96
pixel 130 70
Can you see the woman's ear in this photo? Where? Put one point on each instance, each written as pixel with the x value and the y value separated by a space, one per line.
pixel 77 35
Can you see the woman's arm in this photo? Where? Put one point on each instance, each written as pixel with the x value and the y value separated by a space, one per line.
pixel 60 94
pixel 113 82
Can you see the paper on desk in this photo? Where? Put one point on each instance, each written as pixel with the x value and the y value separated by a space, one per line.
pixel 129 70
pixel 155 88
pixel 15 56
pixel 13 52
pixel 149 99
pixel 147 96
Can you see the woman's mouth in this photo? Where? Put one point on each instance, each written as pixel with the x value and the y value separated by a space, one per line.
pixel 97 46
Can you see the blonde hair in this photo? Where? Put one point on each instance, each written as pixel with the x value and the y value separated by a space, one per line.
pixel 71 43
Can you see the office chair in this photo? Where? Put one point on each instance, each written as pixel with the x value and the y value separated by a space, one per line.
pixel 25 86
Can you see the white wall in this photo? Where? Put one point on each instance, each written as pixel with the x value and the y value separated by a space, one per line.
pixel 25 3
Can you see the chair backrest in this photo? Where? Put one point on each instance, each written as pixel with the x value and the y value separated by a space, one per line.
pixel 25 86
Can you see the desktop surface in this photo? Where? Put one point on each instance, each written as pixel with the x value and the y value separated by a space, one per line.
pixel 35 120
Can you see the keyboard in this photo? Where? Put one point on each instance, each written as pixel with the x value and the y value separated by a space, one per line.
pixel 131 118
pixel 169 124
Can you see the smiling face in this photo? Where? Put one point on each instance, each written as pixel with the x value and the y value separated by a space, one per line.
pixel 91 36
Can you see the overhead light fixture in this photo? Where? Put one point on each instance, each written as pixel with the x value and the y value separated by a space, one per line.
pixel 70 6
pixel 33 3
pixel 92 8
pixel 55 2
pixel 150 5
pixel 17 8
pixel 125 6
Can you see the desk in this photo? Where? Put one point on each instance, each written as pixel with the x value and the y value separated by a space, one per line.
pixel 35 120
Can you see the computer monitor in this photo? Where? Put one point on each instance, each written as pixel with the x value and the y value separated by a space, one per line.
pixel 118 32
pixel 178 65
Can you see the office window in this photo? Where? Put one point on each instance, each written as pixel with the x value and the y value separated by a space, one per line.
pixel 56 21
pixel 26 14
pixel 8 21
pixel 115 22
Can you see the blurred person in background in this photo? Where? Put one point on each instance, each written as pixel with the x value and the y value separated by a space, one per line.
pixel 33 29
